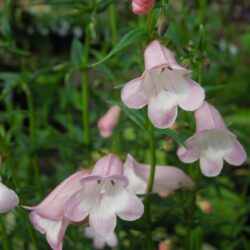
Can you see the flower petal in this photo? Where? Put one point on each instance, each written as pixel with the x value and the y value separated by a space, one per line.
pixel 132 94
pixel 99 243
pixel 8 198
pixel 136 183
pixel 188 154
pixel 52 207
pixel 108 165
pixel 112 240
pixel 167 178
pixel 80 204
pixel 103 222
pixel 194 97
pixel 128 206
pixel 156 55
pixel 237 155
pixel 162 110
pixel 208 117
pixel 54 230
pixel 211 167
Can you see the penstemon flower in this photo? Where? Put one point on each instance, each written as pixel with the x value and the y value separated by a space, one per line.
pixel 163 86
pixel 8 198
pixel 212 143
pixel 167 178
pixel 103 196
pixel 107 123
pixel 142 7
pixel 100 241
pixel 48 216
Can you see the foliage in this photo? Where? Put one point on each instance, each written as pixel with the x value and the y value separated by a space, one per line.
pixel 45 62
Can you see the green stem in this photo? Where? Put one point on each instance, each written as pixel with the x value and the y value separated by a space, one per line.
pixel 23 215
pixel 112 20
pixel 32 133
pixel 85 93
pixel 150 24
pixel 147 202
pixel 4 236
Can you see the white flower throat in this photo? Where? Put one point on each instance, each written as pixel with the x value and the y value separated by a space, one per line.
pixel 104 185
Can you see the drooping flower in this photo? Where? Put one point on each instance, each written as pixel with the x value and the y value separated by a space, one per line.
pixel 100 241
pixel 142 7
pixel 48 216
pixel 167 178
pixel 163 86
pixel 8 198
pixel 107 123
pixel 212 143
pixel 103 196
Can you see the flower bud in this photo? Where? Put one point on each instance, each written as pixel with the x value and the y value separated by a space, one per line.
pixel 204 205
pixel 162 25
pixel 107 123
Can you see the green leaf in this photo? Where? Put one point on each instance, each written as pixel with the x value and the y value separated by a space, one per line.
pixel 174 135
pixel 133 115
pixel 76 52
pixel 241 117
pixel 132 37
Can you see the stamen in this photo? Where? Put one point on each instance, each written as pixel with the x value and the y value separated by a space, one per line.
pixel 112 182
pixel 170 68
pixel 98 181
pixel 163 69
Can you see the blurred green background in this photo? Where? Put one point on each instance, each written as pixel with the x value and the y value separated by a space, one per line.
pixel 42 67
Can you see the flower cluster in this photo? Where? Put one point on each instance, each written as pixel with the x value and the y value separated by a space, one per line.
pixel 110 189
pixel 164 86
pixel 98 196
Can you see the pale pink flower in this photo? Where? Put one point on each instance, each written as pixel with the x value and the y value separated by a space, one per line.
pixel 100 241
pixel 8 198
pixel 163 86
pixel 212 143
pixel 103 196
pixel 167 178
pixel 48 217
pixel 142 7
pixel 108 122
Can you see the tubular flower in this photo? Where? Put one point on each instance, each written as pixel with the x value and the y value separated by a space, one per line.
pixel 163 86
pixel 103 195
pixel 166 178
pixel 107 123
pixel 48 217
pixel 212 143
pixel 142 7
pixel 100 241
pixel 8 198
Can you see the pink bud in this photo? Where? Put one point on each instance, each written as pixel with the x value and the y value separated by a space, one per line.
pixel 107 123
pixel 142 7
pixel 205 206
pixel 164 245
pixel 165 194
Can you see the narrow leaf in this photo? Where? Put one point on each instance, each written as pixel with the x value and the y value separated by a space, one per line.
pixel 132 37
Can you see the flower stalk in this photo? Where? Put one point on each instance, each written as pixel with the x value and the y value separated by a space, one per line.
pixel 148 216
pixel 32 134
pixel 85 92
pixel 4 237
pixel 22 213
